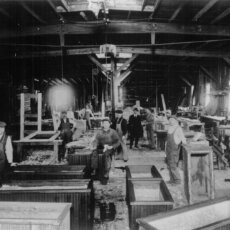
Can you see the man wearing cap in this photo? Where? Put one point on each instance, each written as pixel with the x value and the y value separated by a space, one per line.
pixel 105 142
pixel 135 128
pixel 175 137
pixel 6 149
pixel 120 125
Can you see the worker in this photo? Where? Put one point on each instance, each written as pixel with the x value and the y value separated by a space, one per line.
pixel 175 137
pixel 66 128
pixel 120 125
pixel 135 128
pixel 150 128
pixel 6 150
pixel 88 114
pixel 105 142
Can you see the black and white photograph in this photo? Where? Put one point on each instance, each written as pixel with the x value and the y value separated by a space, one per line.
pixel 114 114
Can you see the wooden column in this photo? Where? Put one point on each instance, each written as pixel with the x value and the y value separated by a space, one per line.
pixel 39 111
pixel 113 69
pixel 22 112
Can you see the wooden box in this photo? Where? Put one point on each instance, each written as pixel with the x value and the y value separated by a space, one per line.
pixel 80 157
pixel 147 197
pixel 203 216
pixel 38 172
pixel 39 216
pixel 198 172
pixel 142 172
pixel 77 192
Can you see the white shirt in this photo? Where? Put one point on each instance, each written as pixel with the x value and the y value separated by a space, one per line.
pixel 9 149
pixel 178 134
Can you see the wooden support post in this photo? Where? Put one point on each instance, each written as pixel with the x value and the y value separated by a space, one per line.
pixel 39 111
pixel 163 102
pixel 113 69
pixel 22 112
pixel 153 38
pixel 156 98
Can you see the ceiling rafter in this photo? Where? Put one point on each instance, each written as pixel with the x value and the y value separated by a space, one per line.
pixel 59 16
pixel 207 7
pixel 221 16
pixel 31 12
pixel 156 5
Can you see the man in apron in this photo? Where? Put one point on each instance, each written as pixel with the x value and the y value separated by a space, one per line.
pixel 175 137
pixel 121 128
pixel 6 150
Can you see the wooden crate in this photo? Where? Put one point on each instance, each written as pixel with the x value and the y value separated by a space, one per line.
pixel 80 157
pixel 147 197
pixel 78 193
pixel 143 172
pixel 39 216
pixel 198 172
pixel 203 216
pixel 37 172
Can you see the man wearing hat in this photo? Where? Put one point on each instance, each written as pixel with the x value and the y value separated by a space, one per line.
pixel 175 137
pixel 6 150
pixel 105 142
pixel 120 125
pixel 135 128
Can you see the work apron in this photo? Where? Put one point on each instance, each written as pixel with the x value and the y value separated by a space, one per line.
pixel 122 152
pixel 172 156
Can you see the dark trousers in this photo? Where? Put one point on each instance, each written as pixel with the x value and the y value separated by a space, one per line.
pixel 134 137
pixel 66 137
pixel 106 161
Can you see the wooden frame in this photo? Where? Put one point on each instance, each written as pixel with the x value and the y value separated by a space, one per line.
pixel 23 115
pixel 199 155
pixel 28 141
pixel 67 191
pixel 138 208
pixel 207 208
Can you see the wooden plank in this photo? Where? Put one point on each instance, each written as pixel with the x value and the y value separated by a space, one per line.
pixel 22 112
pixel 39 112
pixel 31 12
pixel 55 136
pixel 30 136
pixel 207 7
pixel 156 6
pixel 176 12
pixel 117 27
pixel 122 49
pixel 163 102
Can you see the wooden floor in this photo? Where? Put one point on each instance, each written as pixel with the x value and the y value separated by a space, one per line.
pixel 115 190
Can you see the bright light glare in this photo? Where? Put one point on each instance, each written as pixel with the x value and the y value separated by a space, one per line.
pixel 61 97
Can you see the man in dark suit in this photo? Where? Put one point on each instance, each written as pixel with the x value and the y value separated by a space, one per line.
pixel 135 128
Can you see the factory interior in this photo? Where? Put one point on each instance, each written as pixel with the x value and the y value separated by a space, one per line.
pixel 115 114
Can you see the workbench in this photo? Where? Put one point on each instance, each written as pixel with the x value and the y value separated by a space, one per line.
pixel 198 172
pixel 39 138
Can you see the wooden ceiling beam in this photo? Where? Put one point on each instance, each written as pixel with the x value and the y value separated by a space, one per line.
pixel 156 6
pixel 116 27
pixel 31 12
pixel 176 12
pixel 50 2
pixel 207 7
pixel 124 49
pixel 221 16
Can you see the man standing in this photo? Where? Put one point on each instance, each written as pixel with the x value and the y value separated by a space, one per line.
pixel 105 142
pixel 135 128
pixel 88 114
pixel 175 137
pixel 149 128
pixel 120 125
pixel 66 128
pixel 6 150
